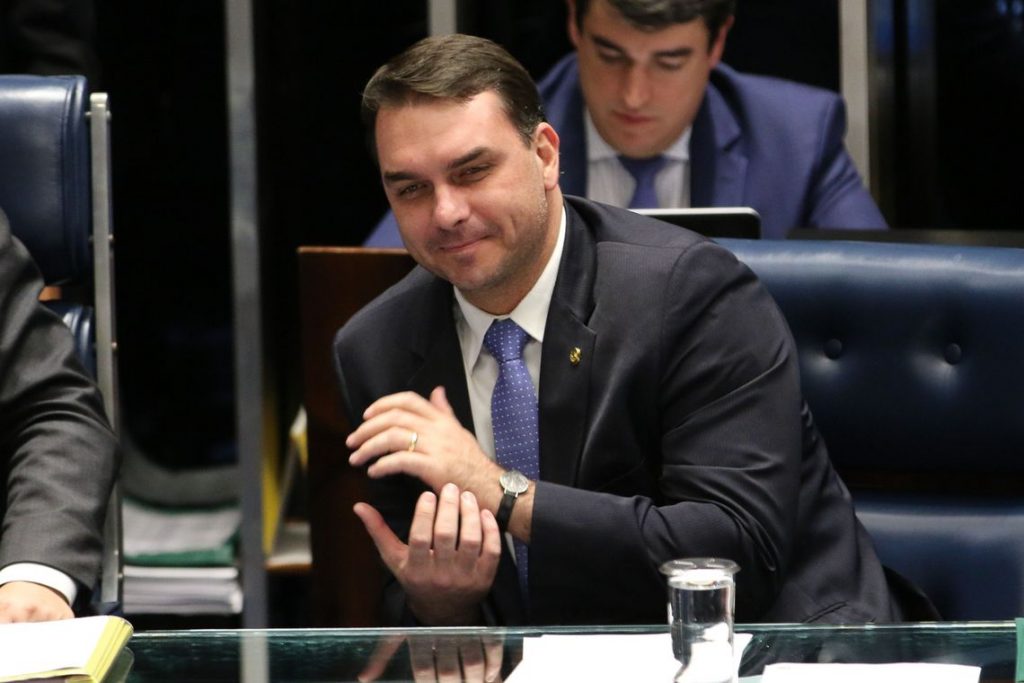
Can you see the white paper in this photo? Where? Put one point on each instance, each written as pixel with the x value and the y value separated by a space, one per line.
pixel 49 645
pixel 597 658
pixel 876 673
pixel 182 590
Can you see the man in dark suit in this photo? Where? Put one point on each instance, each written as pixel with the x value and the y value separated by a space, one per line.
pixel 57 452
pixel 667 414
pixel 645 89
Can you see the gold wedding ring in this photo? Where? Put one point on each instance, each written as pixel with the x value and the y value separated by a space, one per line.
pixel 413 440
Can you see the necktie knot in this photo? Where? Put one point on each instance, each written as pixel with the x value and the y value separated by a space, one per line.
pixel 644 172
pixel 505 340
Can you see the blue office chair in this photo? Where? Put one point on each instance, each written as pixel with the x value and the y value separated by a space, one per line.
pixel 55 190
pixel 911 362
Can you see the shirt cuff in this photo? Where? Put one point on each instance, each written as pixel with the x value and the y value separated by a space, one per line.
pixel 43 575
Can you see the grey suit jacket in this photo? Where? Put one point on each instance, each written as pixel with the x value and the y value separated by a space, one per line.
pixel 57 452
pixel 681 433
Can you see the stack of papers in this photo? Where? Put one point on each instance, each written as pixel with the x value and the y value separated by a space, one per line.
pixel 180 561
pixel 77 650
pixel 182 590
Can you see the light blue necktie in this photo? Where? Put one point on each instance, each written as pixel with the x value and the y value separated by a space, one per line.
pixel 514 414
pixel 644 171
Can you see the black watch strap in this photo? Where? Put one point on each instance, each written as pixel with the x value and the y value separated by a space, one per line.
pixel 505 511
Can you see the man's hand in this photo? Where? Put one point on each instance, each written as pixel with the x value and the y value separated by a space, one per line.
pixel 451 559
pixel 26 601
pixel 444 451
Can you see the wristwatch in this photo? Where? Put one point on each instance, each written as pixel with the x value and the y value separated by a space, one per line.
pixel 512 482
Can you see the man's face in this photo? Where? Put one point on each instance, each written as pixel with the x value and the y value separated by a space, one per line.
pixel 475 205
pixel 642 88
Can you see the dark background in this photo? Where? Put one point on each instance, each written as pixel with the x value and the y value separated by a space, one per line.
pixel 163 63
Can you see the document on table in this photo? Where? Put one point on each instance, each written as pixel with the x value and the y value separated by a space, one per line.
pixel 72 649
pixel 908 672
pixel 603 657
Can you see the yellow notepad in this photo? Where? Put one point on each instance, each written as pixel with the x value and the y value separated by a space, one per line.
pixel 76 650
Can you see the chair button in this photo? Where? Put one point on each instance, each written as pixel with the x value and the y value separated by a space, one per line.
pixel 954 354
pixel 833 348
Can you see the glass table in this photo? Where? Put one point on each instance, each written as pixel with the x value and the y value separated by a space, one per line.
pixel 254 656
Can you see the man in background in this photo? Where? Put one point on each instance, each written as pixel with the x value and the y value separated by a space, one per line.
pixel 649 117
pixel 58 455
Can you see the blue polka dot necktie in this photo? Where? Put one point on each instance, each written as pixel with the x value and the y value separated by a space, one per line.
pixel 644 172
pixel 514 414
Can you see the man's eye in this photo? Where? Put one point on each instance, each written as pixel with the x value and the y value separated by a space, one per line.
pixel 409 190
pixel 611 57
pixel 472 172
pixel 671 64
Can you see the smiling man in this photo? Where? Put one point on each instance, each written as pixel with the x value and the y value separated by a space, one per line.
pixel 564 395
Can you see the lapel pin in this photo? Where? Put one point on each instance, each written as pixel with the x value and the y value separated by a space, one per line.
pixel 575 355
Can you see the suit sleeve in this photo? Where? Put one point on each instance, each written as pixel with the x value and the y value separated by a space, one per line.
pixel 58 453
pixel 723 459
pixel 837 197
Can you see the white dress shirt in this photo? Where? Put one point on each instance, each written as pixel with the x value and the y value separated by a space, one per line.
pixel 43 575
pixel 608 180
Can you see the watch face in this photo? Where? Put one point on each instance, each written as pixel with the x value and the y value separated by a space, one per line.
pixel 514 482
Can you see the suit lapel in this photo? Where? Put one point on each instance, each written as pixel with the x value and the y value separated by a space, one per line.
pixel 718 164
pixel 437 344
pixel 566 358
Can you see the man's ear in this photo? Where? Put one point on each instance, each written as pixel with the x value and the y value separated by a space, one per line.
pixel 546 143
pixel 571 26
pixel 718 46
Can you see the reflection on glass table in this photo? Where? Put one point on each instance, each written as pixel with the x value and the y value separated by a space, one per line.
pixel 472 654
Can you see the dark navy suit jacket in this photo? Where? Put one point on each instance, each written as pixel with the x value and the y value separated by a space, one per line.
pixel 682 432
pixel 774 145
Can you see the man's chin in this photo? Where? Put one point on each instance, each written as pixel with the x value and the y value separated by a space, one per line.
pixel 635 149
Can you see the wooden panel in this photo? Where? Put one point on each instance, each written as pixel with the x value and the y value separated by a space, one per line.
pixel 334 283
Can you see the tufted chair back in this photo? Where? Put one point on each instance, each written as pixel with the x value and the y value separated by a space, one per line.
pixel 912 363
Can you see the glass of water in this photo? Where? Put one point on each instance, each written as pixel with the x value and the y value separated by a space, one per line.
pixel 701 602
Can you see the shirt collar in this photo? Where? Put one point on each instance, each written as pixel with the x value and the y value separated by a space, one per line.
pixel 598 149
pixel 531 313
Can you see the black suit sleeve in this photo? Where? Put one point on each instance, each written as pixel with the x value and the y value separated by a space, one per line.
pixel 698 416
pixel 57 451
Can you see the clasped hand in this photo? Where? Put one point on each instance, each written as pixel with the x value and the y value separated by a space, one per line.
pixel 451 559
pixel 444 451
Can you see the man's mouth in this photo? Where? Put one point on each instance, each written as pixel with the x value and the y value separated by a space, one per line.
pixel 632 119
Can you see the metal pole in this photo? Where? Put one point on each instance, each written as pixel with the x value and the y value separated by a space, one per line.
pixel 855 82
pixel 443 16
pixel 251 412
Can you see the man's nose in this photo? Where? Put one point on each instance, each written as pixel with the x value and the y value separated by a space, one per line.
pixel 636 90
pixel 450 207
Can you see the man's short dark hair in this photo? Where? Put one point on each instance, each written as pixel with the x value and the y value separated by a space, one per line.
pixel 454 67
pixel 651 15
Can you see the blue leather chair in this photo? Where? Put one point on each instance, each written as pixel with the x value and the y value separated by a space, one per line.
pixel 911 361
pixel 55 191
